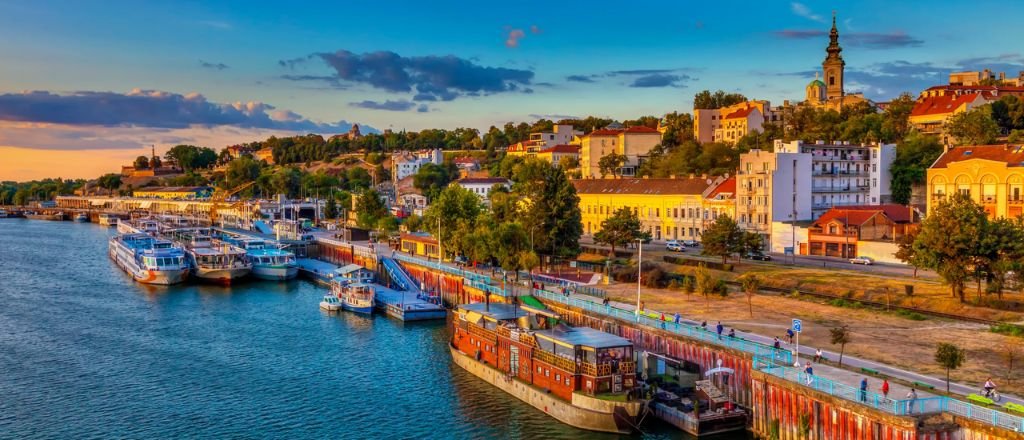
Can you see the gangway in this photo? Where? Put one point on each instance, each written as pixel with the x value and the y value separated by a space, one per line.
pixel 263 227
pixel 399 276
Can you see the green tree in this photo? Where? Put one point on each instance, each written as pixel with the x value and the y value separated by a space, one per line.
pixel 914 155
pixel 240 171
pixel 287 180
pixel 707 100
pixel 622 228
pixel 110 182
pixel 975 127
pixel 457 209
pixel 840 336
pixel 20 197
pixel 554 210
pixel 704 283
pixel 751 283
pixel 948 240
pixel 141 163
pixel 905 250
pixel 431 179
pixel 949 357
pixel 331 208
pixel 370 209
pixel 723 238
pixel 611 163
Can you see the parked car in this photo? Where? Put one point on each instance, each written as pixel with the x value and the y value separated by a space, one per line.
pixel 461 260
pixel 758 256
pixel 867 261
pixel 674 246
pixel 690 243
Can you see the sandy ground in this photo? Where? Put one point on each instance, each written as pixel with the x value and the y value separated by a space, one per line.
pixel 876 335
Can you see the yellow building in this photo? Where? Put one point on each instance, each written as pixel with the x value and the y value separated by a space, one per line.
pixel 992 175
pixel 556 153
pixel 174 192
pixel 634 142
pixel 419 244
pixel 670 209
pixel 932 109
pixel 730 123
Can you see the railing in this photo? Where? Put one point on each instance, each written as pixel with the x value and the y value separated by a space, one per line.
pixel 596 370
pixel 483 333
pixel 754 348
pixel 900 407
pixel 558 361
pixel 471 279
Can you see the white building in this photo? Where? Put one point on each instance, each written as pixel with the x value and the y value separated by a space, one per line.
pixel 800 181
pixel 406 163
pixel 482 186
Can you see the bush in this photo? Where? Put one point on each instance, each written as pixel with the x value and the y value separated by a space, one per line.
pixel 913 316
pixel 683 261
pixel 1008 329
pixel 721 288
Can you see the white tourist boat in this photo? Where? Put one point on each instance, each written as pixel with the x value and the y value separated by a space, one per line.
pixel 269 262
pixel 142 225
pixel 105 219
pixel 149 259
pixel 212 259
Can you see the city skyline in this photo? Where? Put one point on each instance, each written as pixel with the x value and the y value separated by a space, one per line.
pixel 85 90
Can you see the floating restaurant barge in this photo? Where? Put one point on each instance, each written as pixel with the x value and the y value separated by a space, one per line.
pixel 582 377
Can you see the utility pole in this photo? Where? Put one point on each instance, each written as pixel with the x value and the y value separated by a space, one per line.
pixel 639 274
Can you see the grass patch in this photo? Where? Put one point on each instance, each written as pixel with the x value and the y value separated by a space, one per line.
pixel 913 316
pixel 1008 330
pixel 620 397
pixel 845 303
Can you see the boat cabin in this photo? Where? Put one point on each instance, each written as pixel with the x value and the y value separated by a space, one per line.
pixel 353 273
pixel 532 345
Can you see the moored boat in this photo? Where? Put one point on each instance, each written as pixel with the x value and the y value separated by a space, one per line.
pixel 268 262
pixel 211 259
pixel 105 219
pixel 81 217
pixel 357 298
pixel 3 213
pixel 143 225
pixel 331 303
pixel 580 376
pixel 149 259
pixel 57 216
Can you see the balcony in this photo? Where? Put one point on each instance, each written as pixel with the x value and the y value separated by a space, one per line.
pixel 596 370
pixel 988 200
pixel 483 333
pixel 938 197
pixel 565 364
pixel 1015 202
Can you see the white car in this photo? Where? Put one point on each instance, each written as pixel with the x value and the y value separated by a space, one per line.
pixel 674 246
pixel 867 261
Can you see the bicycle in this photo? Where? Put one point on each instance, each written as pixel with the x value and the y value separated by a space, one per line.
pixel 993 394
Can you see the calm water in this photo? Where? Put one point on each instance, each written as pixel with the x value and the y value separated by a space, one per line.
pixel 87 353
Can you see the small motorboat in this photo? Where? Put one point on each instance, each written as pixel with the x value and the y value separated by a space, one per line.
pixel 82 218
pixel 330 303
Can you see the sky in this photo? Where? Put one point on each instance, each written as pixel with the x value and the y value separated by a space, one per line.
pixel 86 86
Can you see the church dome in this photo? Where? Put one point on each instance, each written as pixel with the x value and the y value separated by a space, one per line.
pixel 816 82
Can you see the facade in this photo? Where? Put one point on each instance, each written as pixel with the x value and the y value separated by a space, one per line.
pixel 984 77
pixel 992 175
pixel 482 186
pixel 799 182
pixel 559 135
pixel 406 163
pixel 419 244
pixel 837 232
pixel 635 143
pixel 265 154
pixel 729 124
pixel 174 192
pixel 467 163
pixel 670 209
pixel 931 110
pixel 554 154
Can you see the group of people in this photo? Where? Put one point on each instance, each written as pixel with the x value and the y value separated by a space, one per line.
pixel 719 329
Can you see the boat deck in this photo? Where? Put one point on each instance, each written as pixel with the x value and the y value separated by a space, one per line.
pixel 406 306
pixel 316 270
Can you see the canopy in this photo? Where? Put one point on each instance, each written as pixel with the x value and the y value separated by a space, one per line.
pixel 719 370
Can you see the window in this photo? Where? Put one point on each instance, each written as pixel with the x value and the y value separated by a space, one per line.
pixel 558 377
pixel 831 80
pixel 547 372
pixel 566 380
pixel 538 369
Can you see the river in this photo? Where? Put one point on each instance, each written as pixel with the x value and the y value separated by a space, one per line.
pixel 85 352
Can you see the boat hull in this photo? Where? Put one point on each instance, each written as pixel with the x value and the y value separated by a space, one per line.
pixel 222 276
pixel 275 273
pixel 125 260
pixel 330 307
pixel 365 310
pixel 565 412
pixel 48 217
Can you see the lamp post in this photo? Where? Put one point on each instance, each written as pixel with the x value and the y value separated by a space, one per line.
pixel 639 273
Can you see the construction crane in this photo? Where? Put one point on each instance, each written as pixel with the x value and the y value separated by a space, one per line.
pixel 219 197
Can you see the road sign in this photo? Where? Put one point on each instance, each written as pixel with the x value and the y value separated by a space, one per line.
pixel 797 325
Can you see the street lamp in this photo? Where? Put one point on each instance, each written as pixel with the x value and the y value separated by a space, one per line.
pixel 639 273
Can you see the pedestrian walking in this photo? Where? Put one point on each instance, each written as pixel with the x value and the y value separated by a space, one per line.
pixel 719 328
pixel 789 334
pixel 817 355
pixel 809 371
pixel 885 388
pixel 864 389
pixel 662 320
pixel 911 399
pixel 677 319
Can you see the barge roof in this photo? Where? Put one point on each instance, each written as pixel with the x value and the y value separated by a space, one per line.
pixel 496 311
pixel 584 336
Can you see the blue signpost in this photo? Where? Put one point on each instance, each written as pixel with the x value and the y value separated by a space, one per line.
pixel 797 327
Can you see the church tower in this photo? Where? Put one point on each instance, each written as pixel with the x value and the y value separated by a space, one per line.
pixel 833 65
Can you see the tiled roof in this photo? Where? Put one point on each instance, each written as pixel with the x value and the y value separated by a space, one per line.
pixel 641 129
pixel 937 105
pixel 694 186
pixel 419 238
pixel 174 189
pixel 465 160
pixel 997 89
pixel 847 216
pixel 727 189
pixel 741 113
pixel 898 213
pixel 1011 155
pixel 482 180
pixel 562 149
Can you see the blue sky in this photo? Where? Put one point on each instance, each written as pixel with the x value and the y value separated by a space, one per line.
pixel 233 71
